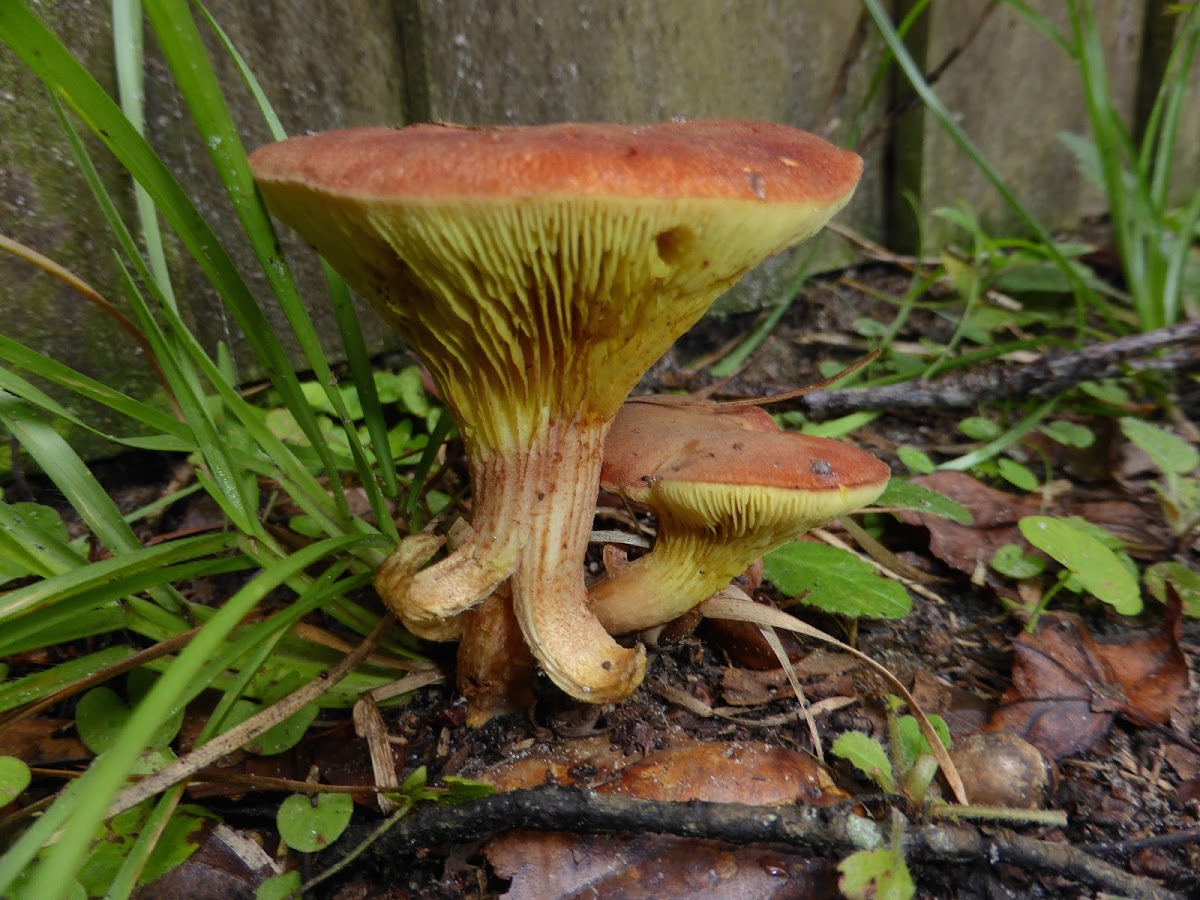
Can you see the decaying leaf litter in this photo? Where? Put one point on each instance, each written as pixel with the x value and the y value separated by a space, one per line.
pixel 960 654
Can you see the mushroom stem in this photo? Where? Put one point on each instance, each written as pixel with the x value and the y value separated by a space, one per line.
pixel 434 597
pixel 495 668
pixel 531 521
pixel 549 597
pixel 665 583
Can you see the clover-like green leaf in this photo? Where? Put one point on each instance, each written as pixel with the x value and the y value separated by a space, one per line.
pixel 14 778
pixel 835 581
pixel 876 874
pixel 1010 560
pixel 1094 566
pixel 309 824
pixel 907 495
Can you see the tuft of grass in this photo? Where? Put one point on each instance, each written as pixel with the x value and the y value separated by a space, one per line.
pixel 1135 172
pixel 56 590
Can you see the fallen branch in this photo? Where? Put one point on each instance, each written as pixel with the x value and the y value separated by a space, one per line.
pixel 1053 374
pixel 833 831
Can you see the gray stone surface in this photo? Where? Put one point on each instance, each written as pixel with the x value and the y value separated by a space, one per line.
pixel 322 65
pixel 1012 91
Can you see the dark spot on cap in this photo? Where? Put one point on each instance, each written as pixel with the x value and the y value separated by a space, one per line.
pixel 606 665
pixel 738 445
pixel 820 467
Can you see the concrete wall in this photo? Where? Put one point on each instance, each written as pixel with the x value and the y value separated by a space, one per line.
pixel 1012 90
pixel 808 63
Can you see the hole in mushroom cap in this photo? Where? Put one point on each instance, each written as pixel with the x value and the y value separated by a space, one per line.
pixel 673 244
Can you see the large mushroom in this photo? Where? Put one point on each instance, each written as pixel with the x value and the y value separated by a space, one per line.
pixel 538 272
pixel 726 486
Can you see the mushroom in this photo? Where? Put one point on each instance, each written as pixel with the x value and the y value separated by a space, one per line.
pixel 538 272
pixel 727 487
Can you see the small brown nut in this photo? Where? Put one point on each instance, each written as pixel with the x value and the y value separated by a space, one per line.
pixel 1001 769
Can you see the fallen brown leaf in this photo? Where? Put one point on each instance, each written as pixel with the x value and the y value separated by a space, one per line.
pixel 225 864
pixel 1063 695
pixel 554 866
pixel 544 866
pixel 1067 687
pixel 43 742
pixel 1152 672
pixel 995 513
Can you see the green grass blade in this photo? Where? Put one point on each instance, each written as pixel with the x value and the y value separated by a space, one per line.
pixel 108 574
pixel 269 634
pixel 172 433
pixel 184 50
pixel 76 627
pixel 883 23
pixel 46 56
pixel 1116 160
pixel 37 685
pixel 68 472
pixel 1162 125
pixel 128 48
pixel 125 881
pixel 238 499
pixel 301 484
pixel 1003 442
pixel 60 610
pixel 344 313
pixel 42 552
pixel 76 814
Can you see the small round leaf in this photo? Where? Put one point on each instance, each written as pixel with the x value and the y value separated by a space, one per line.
pixel 1017 474
pixel 14 778
pixel 1093 565
pixel 977 428
pixel 309 824
pixel 1010 561
pixel 915 459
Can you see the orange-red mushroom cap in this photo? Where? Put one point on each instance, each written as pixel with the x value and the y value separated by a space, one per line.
pixel 726 487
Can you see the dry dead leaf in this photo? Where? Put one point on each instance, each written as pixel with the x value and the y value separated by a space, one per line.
pixel 736 772
pixel 543 866
pixel 1153 671
pixel 554 866
pixel 751 687
pixel 1063 695
pixel 1067 687
pixel 226 864
pixel 995 513
pixel 43 742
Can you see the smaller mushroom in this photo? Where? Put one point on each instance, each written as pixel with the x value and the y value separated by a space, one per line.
pixel 726 486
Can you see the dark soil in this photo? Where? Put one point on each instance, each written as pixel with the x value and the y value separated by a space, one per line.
pixel 1135 783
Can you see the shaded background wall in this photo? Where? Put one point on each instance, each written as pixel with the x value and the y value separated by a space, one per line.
pixel 809 63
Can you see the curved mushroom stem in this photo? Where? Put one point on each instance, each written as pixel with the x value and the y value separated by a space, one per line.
pixel 532 517
pixel 429 602
pixel 680 571
pixel 549 597
pixel 393 583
